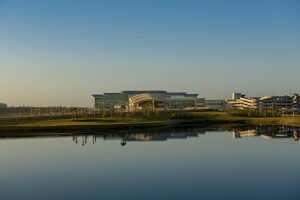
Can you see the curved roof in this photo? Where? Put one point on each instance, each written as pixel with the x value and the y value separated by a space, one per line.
pixel 147 97
pixel 265 98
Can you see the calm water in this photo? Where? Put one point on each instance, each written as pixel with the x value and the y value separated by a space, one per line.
pixel 197 164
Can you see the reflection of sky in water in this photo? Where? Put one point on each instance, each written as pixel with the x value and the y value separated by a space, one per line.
pixel 212 165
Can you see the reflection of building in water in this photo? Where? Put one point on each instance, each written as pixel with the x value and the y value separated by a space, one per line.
pixel 160 137
pixel 295 135
pixel 247 133
pixel 275 133
pixel 137 137
pixel 265 132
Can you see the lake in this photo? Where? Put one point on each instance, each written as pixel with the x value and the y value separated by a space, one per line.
pixel 187 163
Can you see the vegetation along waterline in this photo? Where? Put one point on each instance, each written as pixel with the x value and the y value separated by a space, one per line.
pixel 136 121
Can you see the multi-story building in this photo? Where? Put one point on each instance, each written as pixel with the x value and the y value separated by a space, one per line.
pixel 280 102
pixel 296 103
pixel 176 100
pixel 236 95
pixel 288 104
pixel 244 103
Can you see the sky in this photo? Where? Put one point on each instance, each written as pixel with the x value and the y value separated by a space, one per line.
pixel 60 52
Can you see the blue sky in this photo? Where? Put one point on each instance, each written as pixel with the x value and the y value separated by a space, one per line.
pixel 61 52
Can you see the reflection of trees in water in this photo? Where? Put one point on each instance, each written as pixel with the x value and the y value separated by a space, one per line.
pixel 266 132
pixel 84 139
pixel 123 143
pixel 136 137
pixel 75 139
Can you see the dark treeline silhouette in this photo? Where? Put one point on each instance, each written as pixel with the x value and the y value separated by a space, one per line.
pixel 3 105
pixel 27 111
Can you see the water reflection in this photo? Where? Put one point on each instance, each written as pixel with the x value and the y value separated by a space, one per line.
pixel 181 163
pixel 265 132
pixel 84 139
pixel 135 137
pixel 269 132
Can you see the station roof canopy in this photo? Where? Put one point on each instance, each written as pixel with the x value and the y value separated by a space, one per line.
pixel 147 97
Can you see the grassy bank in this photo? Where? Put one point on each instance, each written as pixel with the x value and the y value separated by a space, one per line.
pixel 141 121
pixel 289 121
pixel 226 117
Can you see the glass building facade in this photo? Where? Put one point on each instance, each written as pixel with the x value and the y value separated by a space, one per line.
pixel 110 100
pixel 177 100
pixel 215 104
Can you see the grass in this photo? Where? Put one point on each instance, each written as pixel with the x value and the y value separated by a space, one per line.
pixel 291 121
pixel 230 118
pixel 62 122
pixel 152 118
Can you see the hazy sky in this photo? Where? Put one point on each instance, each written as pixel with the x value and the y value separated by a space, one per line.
pixel 61 52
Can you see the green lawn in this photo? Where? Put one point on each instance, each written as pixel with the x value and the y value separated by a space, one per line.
pixel 200 117
pixel 292 121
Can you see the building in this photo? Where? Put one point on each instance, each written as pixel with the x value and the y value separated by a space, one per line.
pixel 214 104
pixel 243 103
pixel 296 103
pixel 236 95
pixel 162 99
pixel 147 101
pixel 287 104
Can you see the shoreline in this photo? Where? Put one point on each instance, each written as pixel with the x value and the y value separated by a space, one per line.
pixel 116 126
pixel 201 119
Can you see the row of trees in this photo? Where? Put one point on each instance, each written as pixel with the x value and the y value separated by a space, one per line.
pixel 75 112
pixel 125 114
pixel 3 105
pixel 44 111
pixel 267 112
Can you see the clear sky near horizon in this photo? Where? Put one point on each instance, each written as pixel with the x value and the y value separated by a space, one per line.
pixel 60 52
